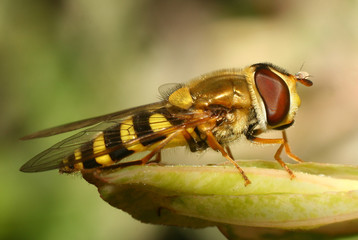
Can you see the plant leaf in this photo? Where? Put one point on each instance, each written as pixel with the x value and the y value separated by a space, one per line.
pixel 200 196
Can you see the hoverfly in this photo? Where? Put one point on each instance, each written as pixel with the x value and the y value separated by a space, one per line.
pixel 210 111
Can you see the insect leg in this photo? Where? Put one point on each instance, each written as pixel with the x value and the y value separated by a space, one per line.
pixel 156 151
pixel 288 149
pixel 213 143
pixel 283 144
pixel 161 144
pixel 228 150
pixel 282 163
pixel 158 157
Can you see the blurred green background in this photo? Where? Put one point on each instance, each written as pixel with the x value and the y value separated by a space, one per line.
pixel 66 60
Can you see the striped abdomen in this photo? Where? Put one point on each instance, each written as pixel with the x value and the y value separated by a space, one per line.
pixel 140 132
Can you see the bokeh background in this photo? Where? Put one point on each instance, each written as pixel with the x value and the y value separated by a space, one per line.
pixel 66 60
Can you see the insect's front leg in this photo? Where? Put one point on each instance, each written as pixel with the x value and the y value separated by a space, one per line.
pixel 283 144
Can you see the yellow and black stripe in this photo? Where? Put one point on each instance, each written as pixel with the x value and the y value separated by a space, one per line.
pixel 110 146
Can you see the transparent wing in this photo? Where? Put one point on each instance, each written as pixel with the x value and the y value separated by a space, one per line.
pixel 166 89
pixel 91 121
pixel 53 157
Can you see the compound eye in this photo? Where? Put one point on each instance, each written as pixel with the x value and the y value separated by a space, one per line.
pixel 275 94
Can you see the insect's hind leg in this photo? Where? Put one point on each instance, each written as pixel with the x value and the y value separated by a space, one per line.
pixel 121 165
pixel 158 157
pixel 160 146
pixel 146 159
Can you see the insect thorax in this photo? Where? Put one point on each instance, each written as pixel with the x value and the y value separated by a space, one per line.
pixel 235 125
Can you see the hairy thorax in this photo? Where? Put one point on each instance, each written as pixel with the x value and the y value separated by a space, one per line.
pixel 234 125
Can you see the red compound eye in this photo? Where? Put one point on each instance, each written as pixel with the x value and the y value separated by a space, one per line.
pixel 274 93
